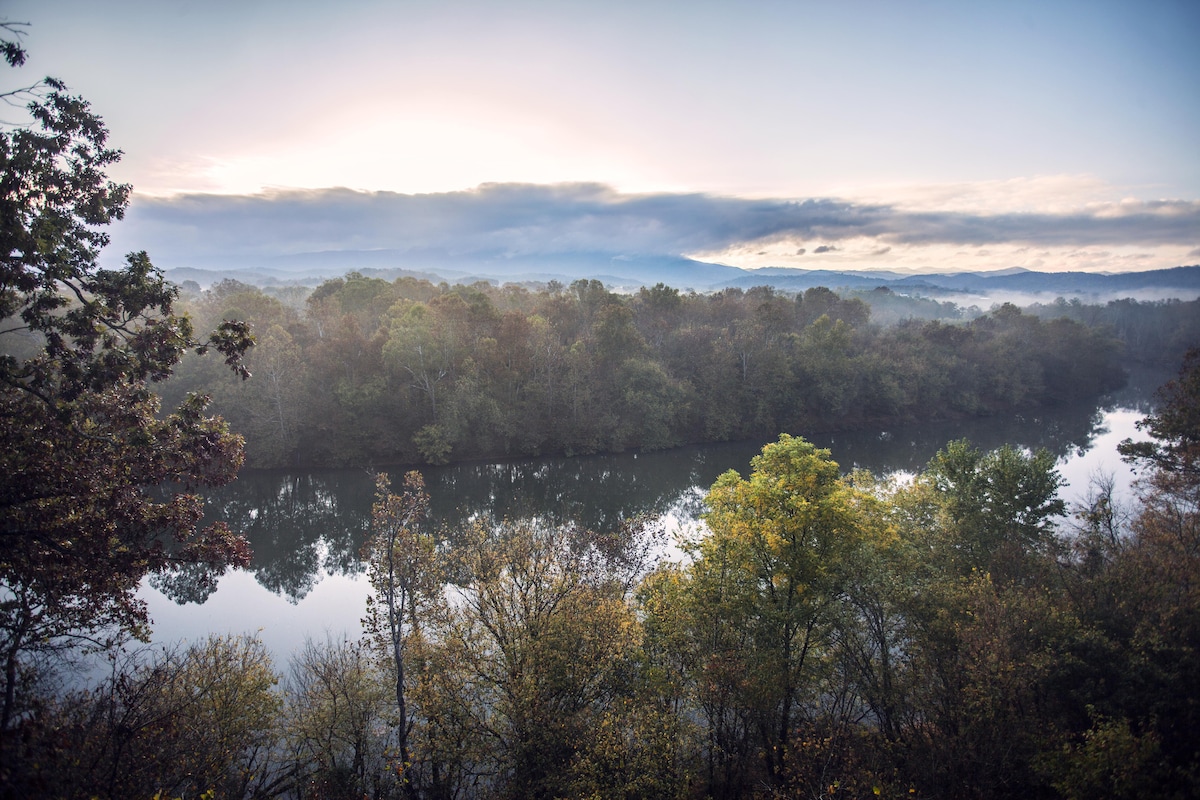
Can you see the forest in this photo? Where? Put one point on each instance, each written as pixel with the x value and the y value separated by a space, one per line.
pixel 828 635
pixel 370 372
pixel 957 633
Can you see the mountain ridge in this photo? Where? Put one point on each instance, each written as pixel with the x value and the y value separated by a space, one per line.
pixel 629 272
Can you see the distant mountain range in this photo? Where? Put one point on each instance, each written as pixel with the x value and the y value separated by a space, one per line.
pixel 631 272
pixel 1174 282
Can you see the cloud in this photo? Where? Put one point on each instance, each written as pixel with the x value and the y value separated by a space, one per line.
pixel 1157 222
pixel 504 220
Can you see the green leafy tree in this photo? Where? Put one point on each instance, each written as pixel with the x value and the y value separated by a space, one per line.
pixel 998 508
pixel 83 443
pixel 771 576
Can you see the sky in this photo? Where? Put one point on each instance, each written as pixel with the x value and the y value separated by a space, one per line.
pixel 910 136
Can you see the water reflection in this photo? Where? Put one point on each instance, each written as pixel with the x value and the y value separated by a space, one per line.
pixel 301 526
pixel 305 526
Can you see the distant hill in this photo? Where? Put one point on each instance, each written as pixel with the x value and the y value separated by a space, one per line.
pixel 620 272
pixel 1184 280
pixel 1181 278
pixel 628 272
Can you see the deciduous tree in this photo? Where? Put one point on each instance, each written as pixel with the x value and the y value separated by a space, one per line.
pixel 541 641
pixel 406 581
pixel 84 445
pixel 770 577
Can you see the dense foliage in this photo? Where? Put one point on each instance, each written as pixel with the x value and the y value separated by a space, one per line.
pixel 1157 332
pixel 378 372
pixel 949 636
pixel 83 445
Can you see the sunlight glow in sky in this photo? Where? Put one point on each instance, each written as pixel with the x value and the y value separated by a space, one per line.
pixel 978 108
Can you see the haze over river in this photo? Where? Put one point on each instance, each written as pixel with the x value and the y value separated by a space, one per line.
pixel 306 527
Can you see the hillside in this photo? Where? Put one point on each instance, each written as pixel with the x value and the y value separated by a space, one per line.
pixel 632 272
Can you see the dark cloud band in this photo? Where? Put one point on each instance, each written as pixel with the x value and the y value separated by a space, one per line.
pixel 525 219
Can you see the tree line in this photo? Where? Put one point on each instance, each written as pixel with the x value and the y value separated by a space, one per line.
pixel 828 635
pixel 1156 332
pixel 405 372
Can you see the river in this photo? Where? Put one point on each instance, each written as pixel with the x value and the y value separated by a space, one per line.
pixel 306 528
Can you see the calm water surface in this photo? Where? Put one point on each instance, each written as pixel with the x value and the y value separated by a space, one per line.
pixel 306 528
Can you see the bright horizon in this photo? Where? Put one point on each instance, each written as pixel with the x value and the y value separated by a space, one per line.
pixel 862 135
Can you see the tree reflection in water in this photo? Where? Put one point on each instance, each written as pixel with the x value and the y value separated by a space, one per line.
pixel 307 525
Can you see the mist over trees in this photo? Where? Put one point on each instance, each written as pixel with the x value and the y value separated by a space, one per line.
pixel 1153 332
pixel 375 372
